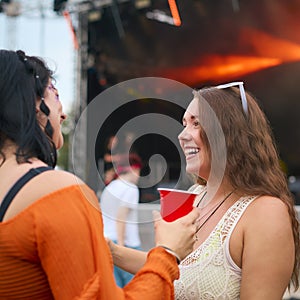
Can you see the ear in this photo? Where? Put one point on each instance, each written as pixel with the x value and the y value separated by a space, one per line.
pixel 37 108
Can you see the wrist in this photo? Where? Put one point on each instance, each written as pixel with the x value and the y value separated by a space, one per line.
pixel 116 253
pixel 167 249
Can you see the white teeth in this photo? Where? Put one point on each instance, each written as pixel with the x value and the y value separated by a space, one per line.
pixel 191 151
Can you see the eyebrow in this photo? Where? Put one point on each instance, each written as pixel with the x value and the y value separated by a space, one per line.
pixel 192 118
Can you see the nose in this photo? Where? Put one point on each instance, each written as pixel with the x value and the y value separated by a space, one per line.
pixel 183 135
pixel 63 116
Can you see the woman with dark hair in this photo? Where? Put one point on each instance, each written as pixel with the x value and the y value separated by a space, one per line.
pixel 247 242
pixel 18 90
pixel 51 231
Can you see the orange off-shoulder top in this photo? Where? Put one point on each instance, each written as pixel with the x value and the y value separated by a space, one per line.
pixel 55 249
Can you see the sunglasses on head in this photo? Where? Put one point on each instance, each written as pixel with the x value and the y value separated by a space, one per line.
pixel 240 84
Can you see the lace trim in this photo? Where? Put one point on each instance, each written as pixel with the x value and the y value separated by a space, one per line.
pixel 219 277
pixel 221 231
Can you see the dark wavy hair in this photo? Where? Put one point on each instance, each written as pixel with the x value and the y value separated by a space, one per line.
pixel 253 164
pixel 23 80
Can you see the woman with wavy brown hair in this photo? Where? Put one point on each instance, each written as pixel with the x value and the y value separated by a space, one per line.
pixel 247 241
pixel 247 244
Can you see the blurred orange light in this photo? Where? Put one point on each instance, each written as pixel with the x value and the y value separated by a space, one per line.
pixel 174 12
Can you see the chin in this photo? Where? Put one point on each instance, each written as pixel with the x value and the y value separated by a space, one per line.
pixel 192 170
pixel 59 143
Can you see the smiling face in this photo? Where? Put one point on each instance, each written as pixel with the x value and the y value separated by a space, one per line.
pixel 197 158
pixel 56 116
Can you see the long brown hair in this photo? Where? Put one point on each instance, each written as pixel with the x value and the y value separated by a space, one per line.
pixel 250 146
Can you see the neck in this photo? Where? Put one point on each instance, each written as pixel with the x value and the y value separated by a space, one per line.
pixel 8 149
pixel 8 157
pixel 8 164
pixel 211 212
pixel 215 194
pixel 129 177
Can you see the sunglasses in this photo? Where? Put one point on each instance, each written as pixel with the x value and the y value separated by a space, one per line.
pixel 240 84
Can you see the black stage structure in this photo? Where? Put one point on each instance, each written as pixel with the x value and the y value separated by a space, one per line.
pixel 217 41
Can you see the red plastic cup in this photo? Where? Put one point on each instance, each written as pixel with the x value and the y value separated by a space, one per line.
pixel 175 204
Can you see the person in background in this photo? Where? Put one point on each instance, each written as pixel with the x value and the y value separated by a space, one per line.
pixel 117 149
pixel 110 157
pixel 51 230
pixel 128 146
pixel 119 204
pixel 247 243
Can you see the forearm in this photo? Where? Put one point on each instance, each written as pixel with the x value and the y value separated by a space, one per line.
pixel 120 233
pixel 121 224
pixel 155 279
pixel 128 259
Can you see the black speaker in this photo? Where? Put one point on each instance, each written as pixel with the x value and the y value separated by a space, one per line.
pixel 59 5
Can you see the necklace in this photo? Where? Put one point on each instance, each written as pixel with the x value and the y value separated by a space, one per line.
pixel 204 194
pixel 207 212
pixel 212 213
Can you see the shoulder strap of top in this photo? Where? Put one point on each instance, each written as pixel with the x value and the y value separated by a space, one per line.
pixel 234 214
pixel 17 187
pixel 197 188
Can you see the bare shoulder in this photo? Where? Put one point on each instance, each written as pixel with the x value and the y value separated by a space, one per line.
pixel 58 179
pixel 40 186
pixel 268 204
pixel 267 212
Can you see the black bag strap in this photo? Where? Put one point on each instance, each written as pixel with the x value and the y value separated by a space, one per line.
pixel 17 187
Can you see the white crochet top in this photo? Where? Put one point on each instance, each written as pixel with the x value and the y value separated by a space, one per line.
pixel 209 273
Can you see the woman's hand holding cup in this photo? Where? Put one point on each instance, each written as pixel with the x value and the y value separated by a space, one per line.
pixel 179 235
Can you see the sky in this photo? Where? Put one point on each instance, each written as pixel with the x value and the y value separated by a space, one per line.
pixel 48 37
